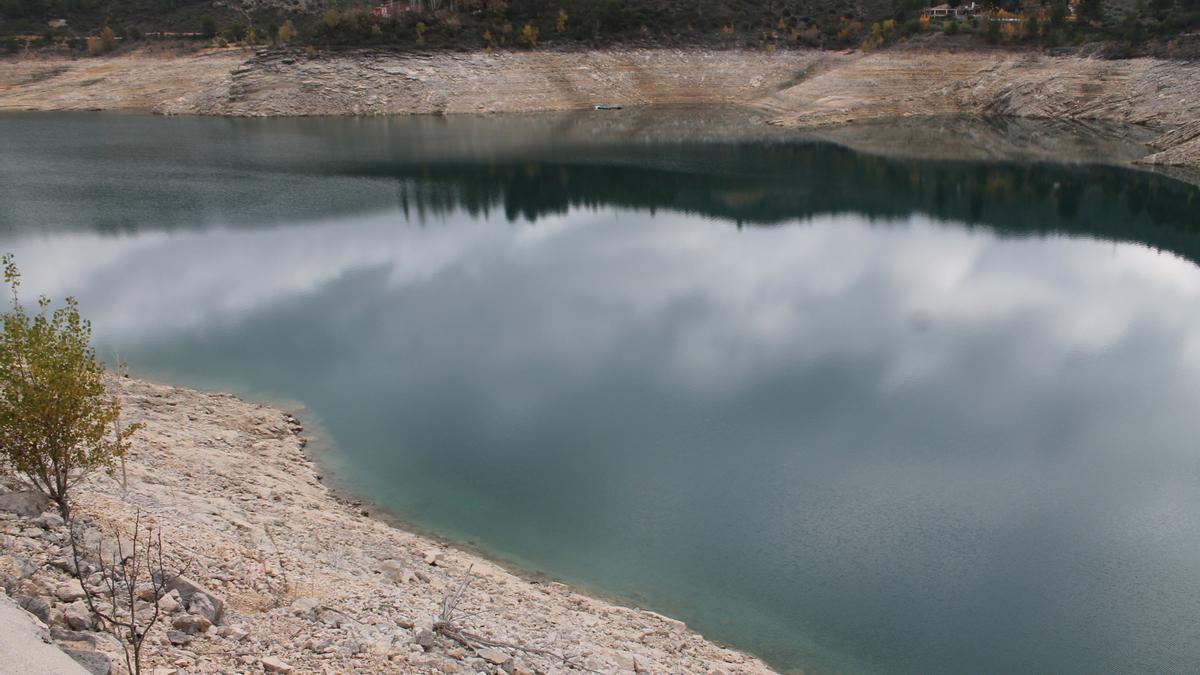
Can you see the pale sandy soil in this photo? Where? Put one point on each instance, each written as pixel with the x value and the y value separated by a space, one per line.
pixel 134 82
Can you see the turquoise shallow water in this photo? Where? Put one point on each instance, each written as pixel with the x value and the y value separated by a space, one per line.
pixel 850 413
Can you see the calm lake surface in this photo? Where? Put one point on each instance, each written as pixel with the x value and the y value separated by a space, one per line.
pixel 852 414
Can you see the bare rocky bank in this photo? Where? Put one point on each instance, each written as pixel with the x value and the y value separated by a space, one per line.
pixel 798 88
pixel 284 577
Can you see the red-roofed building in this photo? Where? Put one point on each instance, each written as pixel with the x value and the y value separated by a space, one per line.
pixel 392 8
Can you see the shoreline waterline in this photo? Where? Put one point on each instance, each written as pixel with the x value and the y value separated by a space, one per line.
pixel 316 447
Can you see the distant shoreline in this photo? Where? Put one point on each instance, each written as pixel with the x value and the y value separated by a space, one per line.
pixel 795 88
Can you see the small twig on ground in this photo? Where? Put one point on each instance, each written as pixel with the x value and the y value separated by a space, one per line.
pixel 447 625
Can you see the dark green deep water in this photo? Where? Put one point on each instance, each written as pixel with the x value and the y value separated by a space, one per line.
pixel 846 412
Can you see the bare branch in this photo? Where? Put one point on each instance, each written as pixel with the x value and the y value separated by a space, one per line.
pixel 122 576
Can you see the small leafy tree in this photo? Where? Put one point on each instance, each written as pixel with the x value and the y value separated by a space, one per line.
pixel 529 35
pixel 58 423
pixel 286 32
pixel 108 39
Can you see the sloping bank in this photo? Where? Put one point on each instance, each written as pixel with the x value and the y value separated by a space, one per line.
pixel 800 88
pixel 301 581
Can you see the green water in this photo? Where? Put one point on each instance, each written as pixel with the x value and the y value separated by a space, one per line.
pixel 849 413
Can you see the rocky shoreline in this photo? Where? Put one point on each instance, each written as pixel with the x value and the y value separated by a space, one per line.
pixel 797 88
pixel 282 576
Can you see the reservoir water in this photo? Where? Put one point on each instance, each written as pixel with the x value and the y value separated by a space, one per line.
pixel 850 412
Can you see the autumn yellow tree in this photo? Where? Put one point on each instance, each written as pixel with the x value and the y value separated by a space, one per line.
pixel 286 32
pixel 529 35
pixel 58 422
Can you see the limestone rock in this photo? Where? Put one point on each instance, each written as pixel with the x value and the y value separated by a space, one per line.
pixel 191 623
pixel 272 664
pixel 48 520
pixel 235 633
pixel 395 571
pixel 37 606
pixel 494 656
pixel 319 645
pixel 27 503
pixel 96 663
pixel 13 568
pixel 170 603
pixel 207 606
pixel 67 564
pixel 76 639
pixel 145 592
pixel 305 607
pixel 69 592
pixel 425 638
pixel 78 617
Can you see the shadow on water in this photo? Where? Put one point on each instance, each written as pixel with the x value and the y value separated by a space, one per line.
pixel 68 173
pixel 766 184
